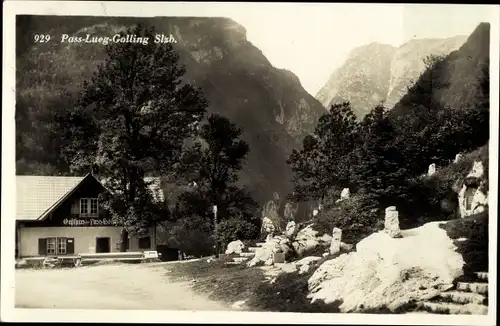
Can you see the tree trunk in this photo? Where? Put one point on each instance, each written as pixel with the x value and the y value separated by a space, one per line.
pixel 123 240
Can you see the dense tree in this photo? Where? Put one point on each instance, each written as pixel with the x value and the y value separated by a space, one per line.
pixel 380 165
pixel 323 162
pixel 131 120
pixel 217 157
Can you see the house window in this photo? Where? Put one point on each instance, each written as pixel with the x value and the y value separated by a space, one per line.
pixel 144 243
pixel 89 207
pixel 61 246
pixel 93 206
pixel 56 246
pixel 51 246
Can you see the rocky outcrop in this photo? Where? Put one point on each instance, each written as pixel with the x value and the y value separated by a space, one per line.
pixel 267 226
pixel 387 272
pixel 264 254
pixel 407 63
pixel 472 198
pixel 308 239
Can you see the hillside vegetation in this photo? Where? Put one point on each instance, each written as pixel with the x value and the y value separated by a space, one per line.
pixel 269 104
pixel 384 158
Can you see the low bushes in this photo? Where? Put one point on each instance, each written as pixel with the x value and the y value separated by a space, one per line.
pixel 471 236
pixel 357 217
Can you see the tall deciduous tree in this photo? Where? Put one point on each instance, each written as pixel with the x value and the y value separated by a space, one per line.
pixel 323 163
pixel 217 157
pixel 131 120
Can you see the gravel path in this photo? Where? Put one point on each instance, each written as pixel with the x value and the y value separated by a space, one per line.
pixel 124 286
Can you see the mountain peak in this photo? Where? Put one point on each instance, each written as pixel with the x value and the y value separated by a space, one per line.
pixel 377 72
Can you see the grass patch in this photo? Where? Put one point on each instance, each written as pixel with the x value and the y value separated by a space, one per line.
pixel 220 282
pixel 288 294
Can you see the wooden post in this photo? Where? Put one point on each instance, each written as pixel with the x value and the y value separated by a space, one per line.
pixel 215 232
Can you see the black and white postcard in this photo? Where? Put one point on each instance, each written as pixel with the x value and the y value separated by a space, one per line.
pixel 249 162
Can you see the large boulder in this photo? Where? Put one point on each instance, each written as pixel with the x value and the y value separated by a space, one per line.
pixel 308 239
pixel 387 272
pixel 235 247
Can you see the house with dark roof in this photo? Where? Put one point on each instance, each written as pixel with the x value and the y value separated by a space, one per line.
pixel 60 215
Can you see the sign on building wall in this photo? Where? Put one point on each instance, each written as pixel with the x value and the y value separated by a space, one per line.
pixel 88 222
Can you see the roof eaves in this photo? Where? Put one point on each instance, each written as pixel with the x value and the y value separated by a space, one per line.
pixel 61 200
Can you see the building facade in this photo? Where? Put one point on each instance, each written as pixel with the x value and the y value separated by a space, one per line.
pixel 59 216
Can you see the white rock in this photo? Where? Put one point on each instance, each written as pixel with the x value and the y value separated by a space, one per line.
pixel 326 254
pixel 308 238
pixel 307 260
pixel 345 194
pixel 315 212
pixel 477 170
pixel 235 247
pixel 267 226
pixel 265 253
pixel 290 228
pixel 287 267
pixel 457 158
pixel 388 272
pixel 336 241
pixel 391 225
pixel 432 169
pixel 238 304
pixel 304 269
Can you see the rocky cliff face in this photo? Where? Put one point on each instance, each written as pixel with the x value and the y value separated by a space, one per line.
pixel 376 73
pixel 362 80
pixel 269 104
pixel 461 73
pixel 407 63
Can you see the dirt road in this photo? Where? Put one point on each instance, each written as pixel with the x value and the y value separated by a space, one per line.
pixel 124 286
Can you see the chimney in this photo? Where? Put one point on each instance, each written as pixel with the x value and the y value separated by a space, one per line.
pixel 95 171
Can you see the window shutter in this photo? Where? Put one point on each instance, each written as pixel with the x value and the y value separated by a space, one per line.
pixel 70 245
pixel 42 247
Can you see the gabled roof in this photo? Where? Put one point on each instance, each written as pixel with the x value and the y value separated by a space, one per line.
pixel 37 195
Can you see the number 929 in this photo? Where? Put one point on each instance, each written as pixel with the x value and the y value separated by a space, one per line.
pixel 41 38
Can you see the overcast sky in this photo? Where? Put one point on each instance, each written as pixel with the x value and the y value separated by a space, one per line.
pixel 312 40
